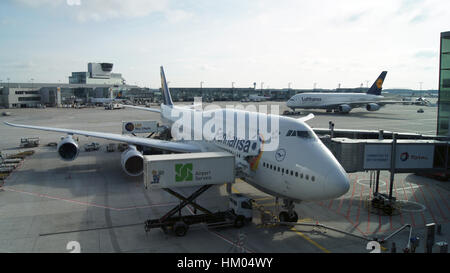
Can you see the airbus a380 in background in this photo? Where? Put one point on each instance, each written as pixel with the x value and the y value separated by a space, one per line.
pixel 342 102
pixel 300 168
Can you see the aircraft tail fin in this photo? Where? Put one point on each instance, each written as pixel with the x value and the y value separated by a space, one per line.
pixel 167 98
pixel 377 85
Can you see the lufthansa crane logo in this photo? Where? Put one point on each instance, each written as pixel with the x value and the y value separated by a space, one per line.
pixel 379 83
pixel 129 127
pixel 280 155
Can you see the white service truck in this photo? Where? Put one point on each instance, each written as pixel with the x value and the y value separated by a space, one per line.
pixel 202 170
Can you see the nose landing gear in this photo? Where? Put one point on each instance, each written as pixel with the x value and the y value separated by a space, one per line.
pixel 290 215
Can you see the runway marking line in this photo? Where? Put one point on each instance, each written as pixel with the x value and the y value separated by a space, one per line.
pixel 415 198
pixel 331 204
pixel 396 196
pixel 359 204
pixel 428 206
pixel 444 200
pixel 85 203
pixel 340 206
pixel 435 201
pixel 310 240
pixel 351 199
pixel 390 217
pixel 406 198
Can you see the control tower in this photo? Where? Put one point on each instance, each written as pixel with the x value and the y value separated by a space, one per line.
pixel 98 73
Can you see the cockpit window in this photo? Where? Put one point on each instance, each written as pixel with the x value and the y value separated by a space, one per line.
pixel 304 134
pixel 298 133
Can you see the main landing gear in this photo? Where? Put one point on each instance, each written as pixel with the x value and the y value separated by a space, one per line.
pixel 290 215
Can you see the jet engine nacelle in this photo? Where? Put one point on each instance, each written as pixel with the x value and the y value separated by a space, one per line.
pixel 372 107
pixel 132 162
pixel 344 108
pixel 68 149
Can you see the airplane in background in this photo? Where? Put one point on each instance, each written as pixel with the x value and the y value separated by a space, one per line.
pixel 301 168
pixel 342 102
pixel 257 98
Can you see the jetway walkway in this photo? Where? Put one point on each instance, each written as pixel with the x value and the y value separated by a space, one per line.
pixel 401 154
pixel 373 134
pixel 364 150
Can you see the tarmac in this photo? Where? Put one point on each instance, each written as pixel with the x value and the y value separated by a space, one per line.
pixel 47 204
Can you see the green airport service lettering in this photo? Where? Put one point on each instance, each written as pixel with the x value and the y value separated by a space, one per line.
pixel 183 172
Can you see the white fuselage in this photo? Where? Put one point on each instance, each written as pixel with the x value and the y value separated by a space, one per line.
pixel 301 168
pixel 328 100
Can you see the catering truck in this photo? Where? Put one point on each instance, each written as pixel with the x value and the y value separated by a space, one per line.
pixel 187 170
pixel 200 170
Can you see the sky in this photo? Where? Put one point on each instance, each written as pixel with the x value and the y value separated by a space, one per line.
pixel 273 43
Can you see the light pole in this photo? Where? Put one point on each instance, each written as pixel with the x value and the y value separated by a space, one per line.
pixel 8 83
pixel 232 85
pixel 289 85
pixel 262 84
pixel 32 82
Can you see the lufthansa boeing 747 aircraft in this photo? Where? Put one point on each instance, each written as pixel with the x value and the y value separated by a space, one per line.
pixel 300 168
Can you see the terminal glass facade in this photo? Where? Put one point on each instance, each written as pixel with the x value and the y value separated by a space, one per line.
pixel 443 126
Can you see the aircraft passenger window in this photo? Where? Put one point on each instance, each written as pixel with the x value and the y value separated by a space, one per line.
pixel 307 177
pixel 289 133
pixel 313 178
pixel 278 168
pixel 282 170
pixel 287 171
pixel 301 175
pixel 296 174
pixel 292 173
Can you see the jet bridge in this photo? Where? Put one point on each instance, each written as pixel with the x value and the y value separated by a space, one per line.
pixel 395 156
pixel 357 155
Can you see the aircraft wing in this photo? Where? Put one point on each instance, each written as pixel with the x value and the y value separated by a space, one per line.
pixel 192 106
pixel 306 118
pixel 357 104
pixel 384 102
pixel 147 142
pixel 143 108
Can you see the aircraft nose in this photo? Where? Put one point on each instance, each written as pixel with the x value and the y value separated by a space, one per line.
pixel 337 183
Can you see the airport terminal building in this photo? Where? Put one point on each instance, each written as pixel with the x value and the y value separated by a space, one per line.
pixel 97 82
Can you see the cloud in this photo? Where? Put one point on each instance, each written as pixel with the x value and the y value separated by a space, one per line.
pixel 176 16
pixel 355 17
pixel 99 10
pixel 102 10
pixel 39 3
pixel 426 54
pixel 419 18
